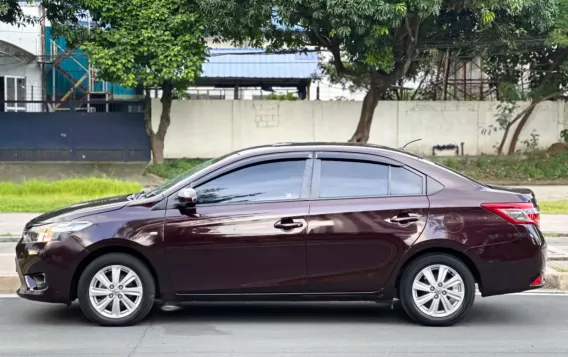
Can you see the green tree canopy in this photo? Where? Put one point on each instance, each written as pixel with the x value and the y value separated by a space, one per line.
pixel 56 11
pixel 374 43
pixel 532 66
pixel 149 43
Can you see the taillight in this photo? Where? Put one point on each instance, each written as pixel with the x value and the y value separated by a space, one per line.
pixel 516 213
pixel 538 281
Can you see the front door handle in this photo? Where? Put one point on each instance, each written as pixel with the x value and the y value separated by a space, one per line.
pixel 287 225
pixel 405 218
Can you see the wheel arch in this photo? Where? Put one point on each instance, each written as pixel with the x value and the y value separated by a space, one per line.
pixel 94 254
pixel 449 250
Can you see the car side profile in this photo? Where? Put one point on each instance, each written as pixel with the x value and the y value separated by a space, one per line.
pixel 290 222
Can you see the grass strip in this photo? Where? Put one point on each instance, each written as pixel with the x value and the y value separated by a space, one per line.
pixel 43 196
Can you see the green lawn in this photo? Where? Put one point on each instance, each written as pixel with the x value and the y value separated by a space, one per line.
pixel 42 196
pixel 550 207
pixel 524 170
pixel 560 269
pixel 173 167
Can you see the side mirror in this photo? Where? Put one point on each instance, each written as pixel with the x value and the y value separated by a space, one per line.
pixel 187 198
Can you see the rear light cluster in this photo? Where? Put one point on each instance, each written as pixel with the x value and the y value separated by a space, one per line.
pixel 538 281
pixel 516 213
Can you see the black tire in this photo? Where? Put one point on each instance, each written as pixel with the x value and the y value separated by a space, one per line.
pixel 412 271
pixel 147 296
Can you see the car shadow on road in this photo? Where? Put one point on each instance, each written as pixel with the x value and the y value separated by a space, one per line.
pixel 283 313
pixel 259 313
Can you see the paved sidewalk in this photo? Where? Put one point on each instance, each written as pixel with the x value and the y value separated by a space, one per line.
pixel 13 223
pixel 553 223
pixel 549 192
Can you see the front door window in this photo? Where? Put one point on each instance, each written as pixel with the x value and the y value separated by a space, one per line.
pixel 272 181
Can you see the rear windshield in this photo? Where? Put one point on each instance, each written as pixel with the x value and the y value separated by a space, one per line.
pixel 444 167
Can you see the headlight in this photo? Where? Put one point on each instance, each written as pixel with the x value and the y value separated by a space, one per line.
pixel 51 232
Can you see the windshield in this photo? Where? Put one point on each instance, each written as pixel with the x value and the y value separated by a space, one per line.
pixel 181 177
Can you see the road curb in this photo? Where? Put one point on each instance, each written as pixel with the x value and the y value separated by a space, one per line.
pixel 555 234
pixel 9 284
pixel 9 239
pixel 557 259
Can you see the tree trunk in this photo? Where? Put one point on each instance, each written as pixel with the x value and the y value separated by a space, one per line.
pixel 519 129
pixel 370 102
pixel 157 138
pixel 561 57
pixel 530 108
pixel 504 138
pixel 148 115
pixel 157 146
pixel 447 64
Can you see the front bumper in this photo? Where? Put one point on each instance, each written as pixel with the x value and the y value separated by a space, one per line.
pixel 56 261
pixel 513 266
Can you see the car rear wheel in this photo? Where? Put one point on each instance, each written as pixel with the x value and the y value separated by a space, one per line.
pixel 437 290
pixel 116 290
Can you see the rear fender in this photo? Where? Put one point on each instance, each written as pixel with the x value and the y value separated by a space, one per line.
pixel 430 246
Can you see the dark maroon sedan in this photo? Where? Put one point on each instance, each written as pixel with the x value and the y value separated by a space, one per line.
pixel 290 222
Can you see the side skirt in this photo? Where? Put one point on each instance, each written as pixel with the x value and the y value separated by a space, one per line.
pixel 375 296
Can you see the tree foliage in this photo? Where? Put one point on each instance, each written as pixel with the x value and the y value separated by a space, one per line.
pixel 55 11
pixel 148 43
pixel 531 66
pixel 374 43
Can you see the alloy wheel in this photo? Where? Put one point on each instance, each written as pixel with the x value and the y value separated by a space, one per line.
pixel 115 291
pixel 438 290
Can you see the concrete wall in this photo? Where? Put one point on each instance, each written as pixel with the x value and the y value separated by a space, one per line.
pixel 202 128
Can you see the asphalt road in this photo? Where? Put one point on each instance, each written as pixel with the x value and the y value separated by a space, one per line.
pixel 499 326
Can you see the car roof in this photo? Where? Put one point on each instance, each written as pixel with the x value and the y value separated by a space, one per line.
pixel 447 177
pixel 426 167
pixel 325 146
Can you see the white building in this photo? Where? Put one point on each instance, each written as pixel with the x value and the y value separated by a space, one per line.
pixel 20 56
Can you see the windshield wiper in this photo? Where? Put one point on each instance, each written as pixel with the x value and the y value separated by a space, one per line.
pixel 138 195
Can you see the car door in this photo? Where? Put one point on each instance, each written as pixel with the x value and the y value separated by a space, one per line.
pixel 365 211
pixel 247 233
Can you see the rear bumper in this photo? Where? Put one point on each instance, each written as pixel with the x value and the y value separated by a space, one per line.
pixel 511 267
pixel 55 261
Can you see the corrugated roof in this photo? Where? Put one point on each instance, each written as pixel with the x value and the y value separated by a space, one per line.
pixel 256 63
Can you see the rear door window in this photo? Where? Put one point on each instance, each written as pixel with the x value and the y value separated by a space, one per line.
pixel 351 178
pixel 405 182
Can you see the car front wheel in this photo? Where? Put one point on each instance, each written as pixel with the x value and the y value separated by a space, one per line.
pixel 437 290
pixel 116 290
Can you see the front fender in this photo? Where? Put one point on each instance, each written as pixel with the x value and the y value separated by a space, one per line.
pixel 153 256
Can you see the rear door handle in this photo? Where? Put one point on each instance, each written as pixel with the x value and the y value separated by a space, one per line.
pixel 404 218
pixel 288 225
